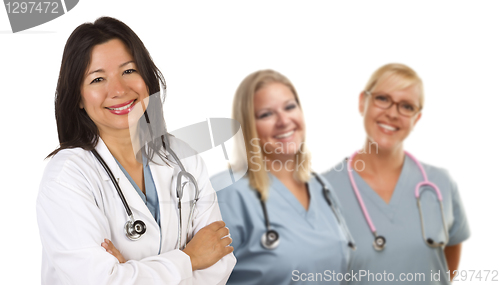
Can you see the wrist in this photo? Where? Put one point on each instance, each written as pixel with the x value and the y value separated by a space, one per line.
pixel 194 264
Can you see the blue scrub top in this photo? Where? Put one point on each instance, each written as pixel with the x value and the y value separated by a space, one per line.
pixel 151 197
pixel 312 246
pixel 399 222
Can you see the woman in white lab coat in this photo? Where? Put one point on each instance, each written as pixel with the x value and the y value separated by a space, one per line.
pixel 107 74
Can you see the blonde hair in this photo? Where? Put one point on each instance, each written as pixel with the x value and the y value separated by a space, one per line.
pixel 243 112
pixel 402 75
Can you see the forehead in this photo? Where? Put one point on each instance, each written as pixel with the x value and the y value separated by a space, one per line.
pixel 272 94
pixel 109 53
pixel 399 87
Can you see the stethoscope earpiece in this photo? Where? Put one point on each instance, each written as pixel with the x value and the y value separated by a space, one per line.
pixel 379 243
pixel 270 239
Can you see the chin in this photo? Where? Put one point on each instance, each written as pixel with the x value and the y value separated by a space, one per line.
pixel 381 145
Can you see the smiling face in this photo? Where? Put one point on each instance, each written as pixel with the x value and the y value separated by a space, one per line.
pixel 111 87
pixel 387 127
pixel 279 121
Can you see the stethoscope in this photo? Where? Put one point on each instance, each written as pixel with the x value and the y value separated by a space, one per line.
pixel 135 229
pixel 270 239
pixel 380 241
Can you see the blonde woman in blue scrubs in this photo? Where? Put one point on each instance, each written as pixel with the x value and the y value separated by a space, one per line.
pixel 377 189
pixel 304 241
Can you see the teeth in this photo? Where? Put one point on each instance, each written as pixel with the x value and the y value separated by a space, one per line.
pixel 285 135
pixel 122 108
pixel 387 127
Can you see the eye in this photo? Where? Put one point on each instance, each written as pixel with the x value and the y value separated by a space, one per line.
pixel 264 115
pixel 291 106
pixel 382 98
pixel 96 80
pixel 408 106
pixel 128 71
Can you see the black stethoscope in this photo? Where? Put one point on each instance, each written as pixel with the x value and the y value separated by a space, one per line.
pixel 135 229
pixel 271 239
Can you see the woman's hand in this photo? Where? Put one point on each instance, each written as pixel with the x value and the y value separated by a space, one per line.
pixel 110 248
pixel 209 245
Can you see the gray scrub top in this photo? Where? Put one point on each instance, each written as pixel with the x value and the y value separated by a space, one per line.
pixel 406 254
pixel 312 245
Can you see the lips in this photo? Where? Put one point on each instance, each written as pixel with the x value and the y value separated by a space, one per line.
pixel 387 127
pixel 122 109
pixel 285 135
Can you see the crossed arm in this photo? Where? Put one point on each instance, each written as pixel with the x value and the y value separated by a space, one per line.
pixel 207 247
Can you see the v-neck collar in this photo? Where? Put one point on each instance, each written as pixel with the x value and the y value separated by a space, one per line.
pixel 367 193
pixel 310 214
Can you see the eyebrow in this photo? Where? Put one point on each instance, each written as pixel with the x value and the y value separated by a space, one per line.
pixel 102 70
pixel 404 100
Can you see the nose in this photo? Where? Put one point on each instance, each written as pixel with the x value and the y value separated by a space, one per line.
pixel 393 111
pixel 283 119
pixel 117 87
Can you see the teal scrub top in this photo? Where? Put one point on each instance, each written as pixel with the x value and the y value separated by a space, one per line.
pixel 151 197
pixel 312 246
pixel 406 256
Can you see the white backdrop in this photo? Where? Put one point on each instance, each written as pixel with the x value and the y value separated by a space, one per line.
pixel 327 48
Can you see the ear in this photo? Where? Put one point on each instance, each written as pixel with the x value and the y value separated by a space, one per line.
pixel 80 104
pixel 362 99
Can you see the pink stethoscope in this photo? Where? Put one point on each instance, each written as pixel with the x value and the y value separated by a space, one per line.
pixel 379 242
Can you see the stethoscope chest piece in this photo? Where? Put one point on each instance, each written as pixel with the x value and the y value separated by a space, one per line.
pixel 270 239
pixel 379 243
pixel 135 230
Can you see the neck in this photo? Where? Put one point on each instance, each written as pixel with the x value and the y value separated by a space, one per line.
pixel 381 160
pixel 282 167
pixel 121 147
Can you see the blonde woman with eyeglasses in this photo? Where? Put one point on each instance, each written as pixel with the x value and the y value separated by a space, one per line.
pixel 406 216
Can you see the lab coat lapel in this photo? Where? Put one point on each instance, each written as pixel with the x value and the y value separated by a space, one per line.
pixel 162 177
pixel 132 197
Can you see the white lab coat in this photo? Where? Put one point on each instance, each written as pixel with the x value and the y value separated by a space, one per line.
pixel 78 208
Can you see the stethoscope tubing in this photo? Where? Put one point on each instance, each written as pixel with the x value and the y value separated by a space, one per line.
pixel 358 195
pixel 115 183
pixel 340 219
pixel 426 182
pixel 179 189
pixel 272 244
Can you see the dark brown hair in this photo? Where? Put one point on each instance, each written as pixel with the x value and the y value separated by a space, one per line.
pixel 74 126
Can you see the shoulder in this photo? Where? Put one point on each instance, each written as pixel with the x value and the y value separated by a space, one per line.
pixel 227 190
pixel 189 157
pixel 69 169
pixel 320 179
pixel 438 175
pixel 181 148
pixel 67 162
pixel 338 170
pixel 223 182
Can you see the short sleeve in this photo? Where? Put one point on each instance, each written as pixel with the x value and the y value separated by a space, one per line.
pixel 233 211
pixel 459 230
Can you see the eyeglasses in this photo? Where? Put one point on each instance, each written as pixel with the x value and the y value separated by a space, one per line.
pixel 384 101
